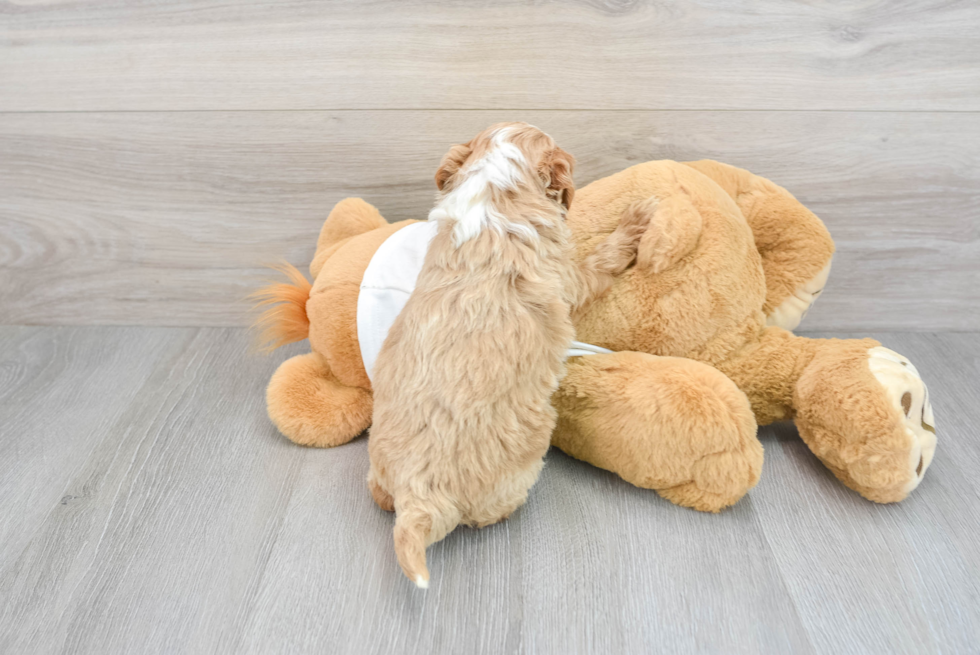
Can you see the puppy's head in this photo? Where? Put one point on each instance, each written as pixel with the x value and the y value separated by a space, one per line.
pixel 509 157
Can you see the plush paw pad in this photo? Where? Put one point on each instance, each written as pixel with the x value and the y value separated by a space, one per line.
pixel 909 395
pixel 793 310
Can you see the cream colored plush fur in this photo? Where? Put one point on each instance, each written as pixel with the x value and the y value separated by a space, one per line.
pixel 462 384
pixel 699 364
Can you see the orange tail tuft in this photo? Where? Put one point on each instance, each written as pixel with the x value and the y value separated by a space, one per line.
pixel 286 321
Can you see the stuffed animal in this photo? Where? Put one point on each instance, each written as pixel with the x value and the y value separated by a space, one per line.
pixel 699 334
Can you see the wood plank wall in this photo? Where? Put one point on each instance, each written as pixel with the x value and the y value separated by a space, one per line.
pixel 154 155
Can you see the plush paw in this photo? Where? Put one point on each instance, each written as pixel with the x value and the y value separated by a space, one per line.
pixel 864 411
pixel 909 396
pixel 792 311
pixel 679 427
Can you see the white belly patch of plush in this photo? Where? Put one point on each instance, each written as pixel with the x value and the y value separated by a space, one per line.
pixel 388 282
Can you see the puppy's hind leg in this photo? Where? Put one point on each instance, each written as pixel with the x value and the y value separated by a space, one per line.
pixel 379 493
pixel 509 495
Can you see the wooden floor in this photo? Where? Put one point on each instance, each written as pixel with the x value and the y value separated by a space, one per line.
pixel 156 154
pixel 150 507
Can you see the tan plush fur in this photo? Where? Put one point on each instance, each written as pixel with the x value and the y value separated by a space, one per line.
pixel 664 423
pixel 462 417
pixel 709 302
pixel 675 410
pixel 323 398
pixel 792 242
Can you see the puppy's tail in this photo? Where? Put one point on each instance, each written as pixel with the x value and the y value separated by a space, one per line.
pixel 285 320
pixel 412 529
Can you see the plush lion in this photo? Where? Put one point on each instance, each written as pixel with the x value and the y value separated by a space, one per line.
pixel 699 334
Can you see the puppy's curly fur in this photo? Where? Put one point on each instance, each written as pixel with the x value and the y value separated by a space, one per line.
pixel 462 388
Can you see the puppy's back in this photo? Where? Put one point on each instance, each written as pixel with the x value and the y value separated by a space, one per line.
pixel 463 381
pixel 478 348
pixel 462 414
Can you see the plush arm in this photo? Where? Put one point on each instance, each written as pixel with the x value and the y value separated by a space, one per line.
pixel 673 425
pixel 795 245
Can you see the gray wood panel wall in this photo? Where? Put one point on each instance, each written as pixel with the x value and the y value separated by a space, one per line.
pixel 153 156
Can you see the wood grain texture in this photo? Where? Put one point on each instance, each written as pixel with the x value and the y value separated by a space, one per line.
pixel 191 526
pixel 573 54
pixel 60 392
pixel 149 505
pixel 167 218
pixel 849 563
pixel 165 521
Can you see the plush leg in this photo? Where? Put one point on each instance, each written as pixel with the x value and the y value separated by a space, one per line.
pixel 768 369
pixel 309 405
pixel 795 245
pixel 673 425
pixel 862 409
pixel 865 412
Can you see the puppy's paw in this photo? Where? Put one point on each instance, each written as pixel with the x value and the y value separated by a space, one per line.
pixel 673 233
pixel 622 245
pixel 636 220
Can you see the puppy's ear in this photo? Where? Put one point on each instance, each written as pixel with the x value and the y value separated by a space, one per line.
pixel 451 163
pixel 556 170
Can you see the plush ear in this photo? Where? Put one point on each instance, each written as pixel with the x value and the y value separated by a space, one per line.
pixel 451 164
pixel 556 170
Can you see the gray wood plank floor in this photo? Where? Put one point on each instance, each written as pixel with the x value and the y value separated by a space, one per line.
pixel 150 507
pixel 154 155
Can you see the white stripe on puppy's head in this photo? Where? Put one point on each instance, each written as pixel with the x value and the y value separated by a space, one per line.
pixel 470 201
pixel 481 182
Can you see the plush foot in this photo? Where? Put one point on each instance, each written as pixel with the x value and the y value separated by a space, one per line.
pixel 910 398
pixel 791 312
pixel 311 407
pixel 865 412
pixel 673 425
